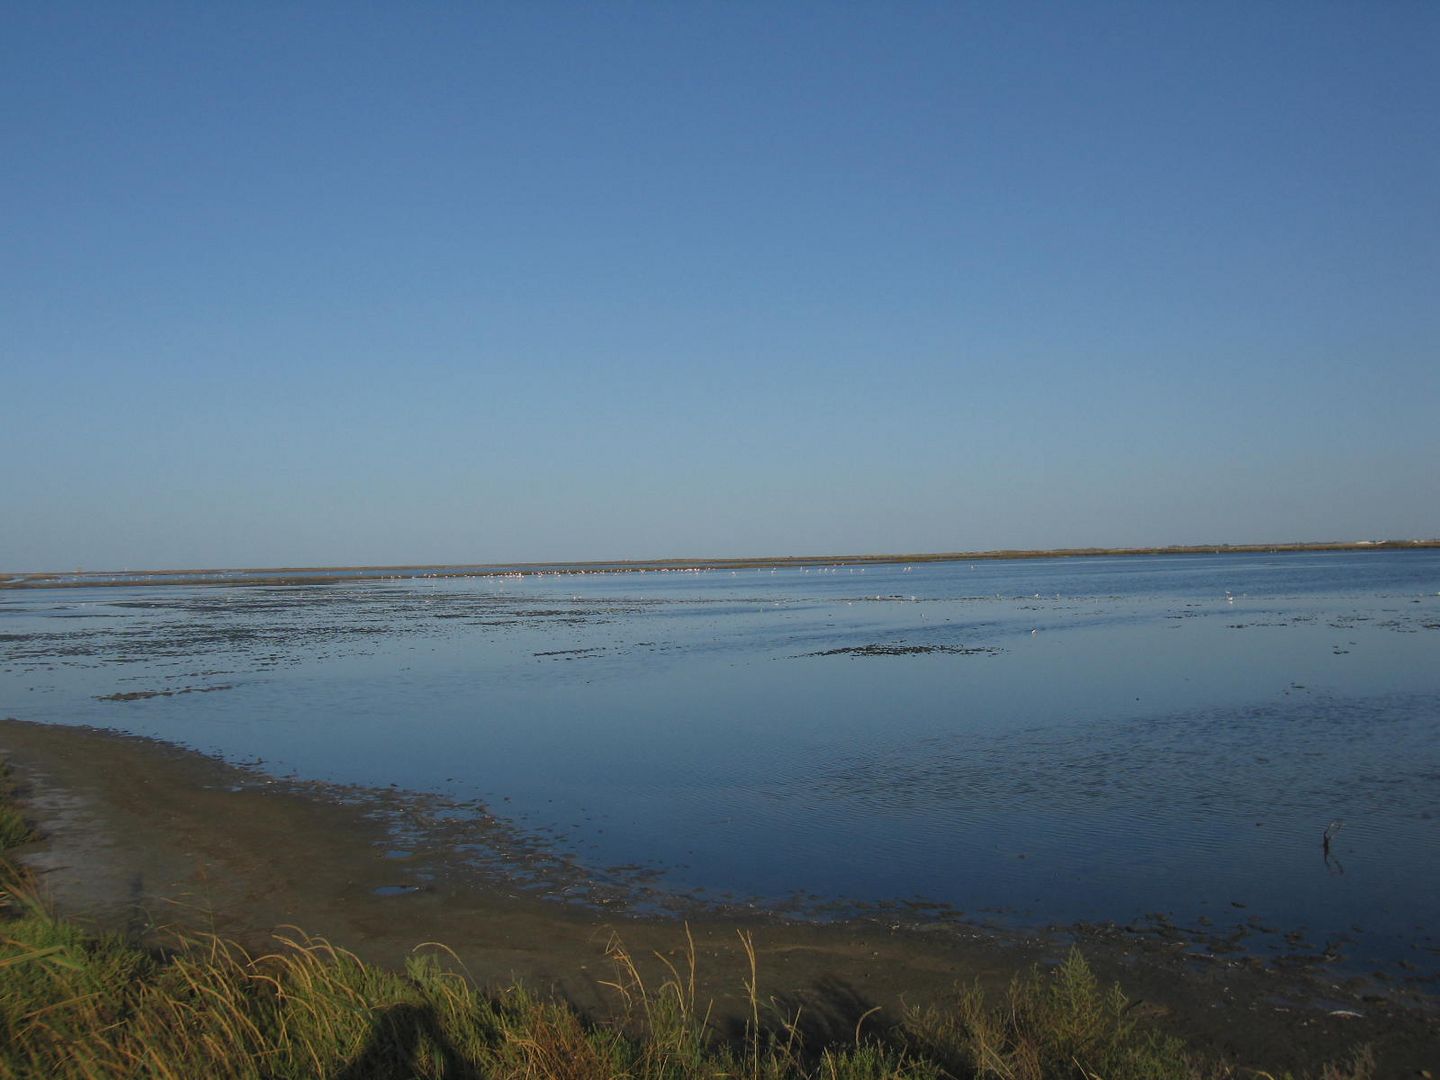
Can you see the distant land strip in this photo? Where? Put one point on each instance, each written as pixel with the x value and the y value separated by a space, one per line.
pixel 324 575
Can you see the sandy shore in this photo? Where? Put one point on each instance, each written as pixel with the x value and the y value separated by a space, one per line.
pixel 140 836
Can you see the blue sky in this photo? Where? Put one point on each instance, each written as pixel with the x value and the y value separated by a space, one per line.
pixel 298 284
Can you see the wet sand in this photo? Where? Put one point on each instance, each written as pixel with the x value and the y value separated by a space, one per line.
pixel 141 836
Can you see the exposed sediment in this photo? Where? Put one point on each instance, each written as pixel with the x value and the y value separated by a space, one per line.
pixel 140 835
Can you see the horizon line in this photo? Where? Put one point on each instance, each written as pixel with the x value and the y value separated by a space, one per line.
pixel 35 578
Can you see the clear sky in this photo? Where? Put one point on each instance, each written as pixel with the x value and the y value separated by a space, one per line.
pixel 298 284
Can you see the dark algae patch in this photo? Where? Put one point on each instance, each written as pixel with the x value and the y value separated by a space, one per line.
pixel 141 695
pixel 908 650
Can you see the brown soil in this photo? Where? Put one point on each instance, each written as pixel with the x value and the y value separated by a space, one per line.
pixel 141 835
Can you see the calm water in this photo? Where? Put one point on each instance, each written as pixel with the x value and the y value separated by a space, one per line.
pixel 1084 739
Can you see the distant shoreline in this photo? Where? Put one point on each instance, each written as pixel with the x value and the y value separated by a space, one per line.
pixel 319 575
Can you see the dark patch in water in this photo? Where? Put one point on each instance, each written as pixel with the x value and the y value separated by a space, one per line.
pixel 907 650
pixel 140 695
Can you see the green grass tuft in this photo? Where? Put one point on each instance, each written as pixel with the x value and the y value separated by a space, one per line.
pixel 1060 1023
pixel 14 829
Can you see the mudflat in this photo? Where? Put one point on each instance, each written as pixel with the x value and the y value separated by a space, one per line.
pixel 141 836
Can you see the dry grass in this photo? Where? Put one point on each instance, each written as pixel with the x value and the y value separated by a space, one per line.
pixel 73 1007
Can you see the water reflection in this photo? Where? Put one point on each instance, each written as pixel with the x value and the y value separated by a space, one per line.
pixel 1044 740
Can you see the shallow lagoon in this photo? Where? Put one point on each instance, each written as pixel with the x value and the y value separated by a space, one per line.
pixel 1027 742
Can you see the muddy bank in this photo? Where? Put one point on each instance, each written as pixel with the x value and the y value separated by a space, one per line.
pixel 140 836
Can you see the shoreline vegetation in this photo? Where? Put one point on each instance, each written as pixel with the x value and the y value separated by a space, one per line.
pixel 217 991
pixel 312 575
pixel 78 1004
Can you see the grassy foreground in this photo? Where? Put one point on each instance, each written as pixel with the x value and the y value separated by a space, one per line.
pixel 77 1005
